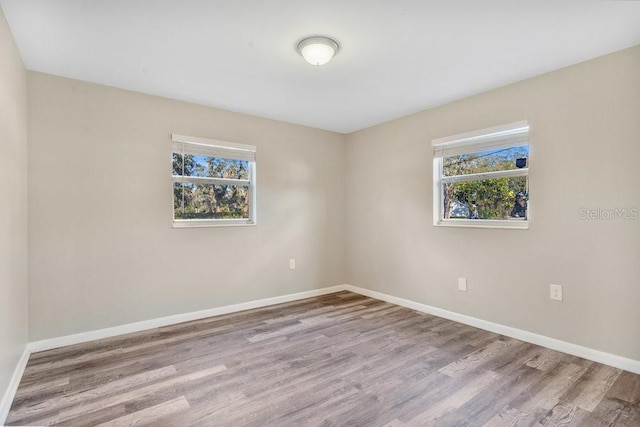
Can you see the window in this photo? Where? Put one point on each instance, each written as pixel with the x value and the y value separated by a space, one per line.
pixel 481 179
pixel 213 182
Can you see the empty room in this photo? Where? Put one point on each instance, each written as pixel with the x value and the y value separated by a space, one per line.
pixel 296 213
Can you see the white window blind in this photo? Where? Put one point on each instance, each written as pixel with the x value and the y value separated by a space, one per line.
pixel 505 136
pixel 210 147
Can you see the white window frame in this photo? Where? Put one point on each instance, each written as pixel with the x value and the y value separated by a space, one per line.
pixel 505 136
pixel 222 149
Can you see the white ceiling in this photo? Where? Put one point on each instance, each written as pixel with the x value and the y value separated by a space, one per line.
pixel 397 57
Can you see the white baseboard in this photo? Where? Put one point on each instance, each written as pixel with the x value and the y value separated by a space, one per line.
pixel 627 364
pixel 144 325
pixel 7 399
pixel 620 362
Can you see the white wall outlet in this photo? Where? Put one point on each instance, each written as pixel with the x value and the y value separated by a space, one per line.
pixel 292 263
pixel 555 292
pixel 462 284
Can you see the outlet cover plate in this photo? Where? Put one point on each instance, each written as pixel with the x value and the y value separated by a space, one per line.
pixel 555 292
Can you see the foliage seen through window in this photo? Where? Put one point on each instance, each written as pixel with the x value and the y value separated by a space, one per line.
pixel 498 198
pixel 202 200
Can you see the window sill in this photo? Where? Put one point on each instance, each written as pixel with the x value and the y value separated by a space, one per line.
pixel 514 224
pixel 214 223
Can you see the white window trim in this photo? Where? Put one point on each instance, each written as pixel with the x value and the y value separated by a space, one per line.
pixel 504 136
pixel 224 149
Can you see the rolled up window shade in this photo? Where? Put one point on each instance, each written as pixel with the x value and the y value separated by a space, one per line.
pixel 511 135
pixel 212 148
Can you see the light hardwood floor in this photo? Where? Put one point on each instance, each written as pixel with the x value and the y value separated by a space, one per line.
pixel 339 359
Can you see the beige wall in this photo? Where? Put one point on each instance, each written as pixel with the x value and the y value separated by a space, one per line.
pixel 13 213
pixel 585 153
pixel 102 249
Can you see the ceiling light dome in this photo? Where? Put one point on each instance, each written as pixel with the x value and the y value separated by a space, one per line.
pixel 317 50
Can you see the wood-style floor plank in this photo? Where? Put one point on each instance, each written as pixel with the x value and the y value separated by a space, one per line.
pixel 339 359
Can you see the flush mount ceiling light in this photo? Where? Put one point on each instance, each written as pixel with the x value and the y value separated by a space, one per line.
pixel 317 50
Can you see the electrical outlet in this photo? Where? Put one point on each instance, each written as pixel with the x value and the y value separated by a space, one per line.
pixel 462 284
pixel 555 292
pixel 292 263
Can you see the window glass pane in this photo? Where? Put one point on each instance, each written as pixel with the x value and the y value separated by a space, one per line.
pixel 486 161
pixel 209 167
pixel 208 201
pixel 501 198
